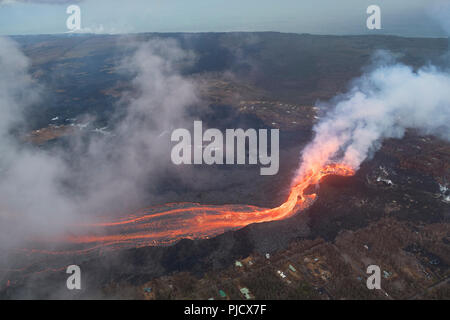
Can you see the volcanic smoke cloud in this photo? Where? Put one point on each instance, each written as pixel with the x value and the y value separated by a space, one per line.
pixel 381 104
pixel 44 192
pixel 116 171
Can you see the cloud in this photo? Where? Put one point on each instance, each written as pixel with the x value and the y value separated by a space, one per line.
pixel 44 192
pixel 381 104
pixel 97 29
pixel 440 11
pixel 138 151
pixel 28 177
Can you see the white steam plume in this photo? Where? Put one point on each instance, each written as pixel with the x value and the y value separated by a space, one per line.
pixel 29 193
pixel 44 192
pixel 381 104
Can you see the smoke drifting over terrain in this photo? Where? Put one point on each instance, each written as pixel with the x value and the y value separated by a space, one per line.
pixel 381 104
pixel 42 192
pixel 29 192
pixel 119 170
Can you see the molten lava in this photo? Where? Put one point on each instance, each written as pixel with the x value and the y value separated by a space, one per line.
pixel 169 223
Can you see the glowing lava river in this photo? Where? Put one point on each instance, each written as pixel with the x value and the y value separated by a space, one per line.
pixel 169 223
pixel 166 224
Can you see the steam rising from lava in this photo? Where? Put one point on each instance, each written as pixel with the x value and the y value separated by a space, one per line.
pixel 381 104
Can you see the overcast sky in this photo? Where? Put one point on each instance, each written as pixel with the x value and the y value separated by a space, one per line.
pixel 400 17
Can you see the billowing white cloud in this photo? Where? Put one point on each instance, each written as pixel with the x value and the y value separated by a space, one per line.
pixel 43 192
pixel 381 104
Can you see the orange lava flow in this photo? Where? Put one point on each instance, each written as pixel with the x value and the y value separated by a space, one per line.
pixel 167 224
